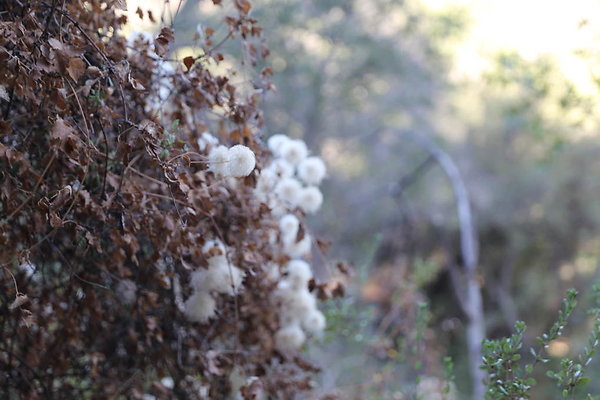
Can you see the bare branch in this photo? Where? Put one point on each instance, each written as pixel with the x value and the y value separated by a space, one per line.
pixel 471 291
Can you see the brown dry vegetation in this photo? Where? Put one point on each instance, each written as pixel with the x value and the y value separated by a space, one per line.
pixel 102 181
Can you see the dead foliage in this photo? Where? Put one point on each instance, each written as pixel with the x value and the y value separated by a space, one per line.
pixel 102 181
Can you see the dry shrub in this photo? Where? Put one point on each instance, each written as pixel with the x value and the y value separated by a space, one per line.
pixel 107 201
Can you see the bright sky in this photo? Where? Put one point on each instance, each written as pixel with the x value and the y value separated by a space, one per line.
pixel 532 27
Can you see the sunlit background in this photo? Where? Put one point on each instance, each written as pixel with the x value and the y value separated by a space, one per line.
pixel 509 88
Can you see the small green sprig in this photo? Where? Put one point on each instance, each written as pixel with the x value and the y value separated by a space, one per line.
pixel 568 305
pixel 449 376
pixel 572 374
pixel 501 362
pixel 501 358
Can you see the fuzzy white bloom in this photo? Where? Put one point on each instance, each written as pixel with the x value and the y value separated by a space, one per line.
pixel 168 382
pixel 275 143
pixel 289 190
pixel 312 170
pixel 266 181
pixel 298 249
pixel 206 140
pixel 200 307
pixel 287 317
pixel 289 226
pixel 126 291
pixel 289 338
pixel 314 321
pixel 277 207
pixel 281 168
pixel 219 277
pixel 218 261
pixel 299 303
pixel 310 199
pixel 241 161
pixel 298 269
pixel 218 160
pixel 294 299
pixel 294 151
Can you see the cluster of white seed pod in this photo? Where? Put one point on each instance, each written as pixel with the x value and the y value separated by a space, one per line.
pixel 288 183
pixel 298 308
pixel 291 180
pixel 237 161
pixel 221 277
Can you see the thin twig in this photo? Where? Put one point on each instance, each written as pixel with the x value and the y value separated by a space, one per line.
pixel 105 159
pixel 14 280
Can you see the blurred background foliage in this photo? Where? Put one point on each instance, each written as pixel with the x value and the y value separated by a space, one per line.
pixel 357 80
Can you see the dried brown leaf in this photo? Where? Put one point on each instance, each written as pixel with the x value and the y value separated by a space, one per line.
pixel 136 84
pixel 188 62
pixel 61 130
pixel 76 68
pixel 18 301
pixel 164 40
pixel 243 6
pixel 56 221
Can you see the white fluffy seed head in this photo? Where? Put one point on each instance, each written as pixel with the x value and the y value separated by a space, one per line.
pixel 277 206
pixel 289 190
pixel 219 277
pixel 200 307
pixel 289 225
pixel 298 249
pixel 286 317
pixel 299 273
pixel 206 141
pixel 281 168
pixel 288 338
pixel 266 181
pixel 310 199
pixel 294 151
pixel 218 160
pixel 168 382
pixel 312 170
pixel 241 161
pixel 275 143
pixel 314 321
pixel 299 303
